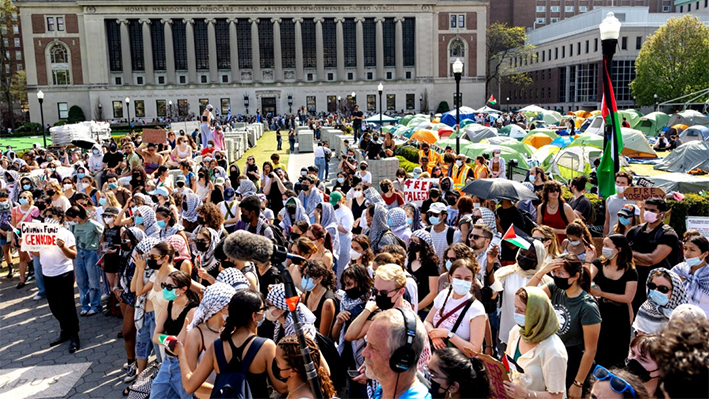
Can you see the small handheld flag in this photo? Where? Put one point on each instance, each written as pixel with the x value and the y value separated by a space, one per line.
pixel 512 237
pixel 511 365
pixel 492 100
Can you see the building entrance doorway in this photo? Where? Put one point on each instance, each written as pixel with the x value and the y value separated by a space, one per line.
pixel 268 105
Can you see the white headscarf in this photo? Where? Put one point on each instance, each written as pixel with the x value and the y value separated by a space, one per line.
pixel 216 297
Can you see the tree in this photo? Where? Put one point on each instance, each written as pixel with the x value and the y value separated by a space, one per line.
pixel 8 16
pixel 424 102
pixel 504 43
pixel 674 61
pixel 76 114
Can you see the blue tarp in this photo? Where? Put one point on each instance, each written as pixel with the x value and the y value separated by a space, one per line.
pixel 465 113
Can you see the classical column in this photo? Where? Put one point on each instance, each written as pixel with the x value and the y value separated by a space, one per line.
pixel 319 51
pixel 125 52
pixel 360 47
pixel 148 51
pixel 380 47
pixel 255 50
pixel 212 39
pixel 191 57
pixel 298 49
pixel 234 51
pixel 339 35
pixel 169 51
pixel 277 56
pixel 399 51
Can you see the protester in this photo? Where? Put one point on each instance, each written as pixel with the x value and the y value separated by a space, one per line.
pixel 664 293
pixel 694 272
pixel 554 211
pixel 642 364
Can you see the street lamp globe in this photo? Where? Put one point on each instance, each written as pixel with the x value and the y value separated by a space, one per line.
pixel 458 66
pixel 127 100
pixel 40 95
pixel 380 88
pixel 610 27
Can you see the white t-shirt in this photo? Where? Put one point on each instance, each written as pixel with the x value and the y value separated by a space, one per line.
pixel 509 285
pixel 614 204
pixel 476 309
pixel 440 240
pixel 367 178
pixel 62 202
pixel 54 262
pixel 545 364
pixel 319 152
pixel 344 217
pixel 234 211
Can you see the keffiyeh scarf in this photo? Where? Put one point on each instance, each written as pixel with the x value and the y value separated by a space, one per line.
pixel 181 250
pixel 277 296
pixel 144 247
pixel 696 284
pixel 651 317
pixel 216 297
pixel 299 214
pixel 234 278
pixel 149 222
pixel 193 202
pixel 207 259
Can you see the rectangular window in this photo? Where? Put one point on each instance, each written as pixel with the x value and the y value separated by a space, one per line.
pixel 555 8
pixel 556 53
pixel 553 20
pixel 19 67
pixel 410 100
pixel 389 42
pixel 221 31
pixel 409 37
pixel 624 43
pixel 161 107
pixel 541 9
pixel 203 104
pixel 18 55
pixel 332 104
pixel 15 29
pixel 139 108
pixel 349 33
pixel 578 48
pixel 549 55
pixel 369 37
pixel 243 40
pixel 569 9
pixel 60 24
pixel 371 102
pixel 135 35
pixel 461 21
pixel 544 54
pixel 17 42
pixel 288 43
pixel 330 42
pixel 117 109
pixel 540 20
pixel 157 33
pixel 669 8
pixel 6 42
pixel 225 105
pixel 179 40
pixel 310 103
pixel 638 43
pixel 64 110
pixel 595 45
pixel 183 107
pixel 391 102
pixel 201 45
pixel 583 8
pixel 310 59
pixel 587 46
pixel 454 21
pixel 265 39
pixel 571 50
pixel 50 24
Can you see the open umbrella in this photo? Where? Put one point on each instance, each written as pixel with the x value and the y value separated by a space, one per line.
pixel 499 189
pixel 84 143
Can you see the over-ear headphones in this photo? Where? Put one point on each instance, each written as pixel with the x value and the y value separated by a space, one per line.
pixel 403 358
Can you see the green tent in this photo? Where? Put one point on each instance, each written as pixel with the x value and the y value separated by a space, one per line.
pixel 588 139
pixel 466 122
pixel 549 117
pixel 513 131
pixel 418 119
pixel 522 148
pixel 472 150
pixel 570 162
pixel 652 123
pixel 631 115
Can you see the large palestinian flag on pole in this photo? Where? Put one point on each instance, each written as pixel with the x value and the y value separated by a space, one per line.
pixel 613 140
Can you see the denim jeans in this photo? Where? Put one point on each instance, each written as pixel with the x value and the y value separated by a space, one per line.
pixel 39 278
pixel 168 382
pixel 320 163
pixel 88 279
pixel 144 338
pixel 292 146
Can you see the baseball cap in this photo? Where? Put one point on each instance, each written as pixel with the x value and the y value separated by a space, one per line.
pixel 229 194
pixel 110 211
pixel 180 178
pixel 160 191
pixel 364 163
pixel 438 207
pixel 628 210
pixel 313 168
pixel 219 181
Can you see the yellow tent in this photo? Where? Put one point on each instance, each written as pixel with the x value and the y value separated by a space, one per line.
pixel 537 140
pixel 425 136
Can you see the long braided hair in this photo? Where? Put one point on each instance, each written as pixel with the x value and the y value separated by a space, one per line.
pixel 291 350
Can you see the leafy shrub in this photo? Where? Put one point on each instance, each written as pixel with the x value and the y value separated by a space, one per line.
pixel 692 205
pixel 29 127
pixel 76 114
pixel 443 107
pixel 60 123
pixel 406 164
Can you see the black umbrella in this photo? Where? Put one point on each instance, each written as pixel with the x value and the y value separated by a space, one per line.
pixel 499 189
pixel 84 143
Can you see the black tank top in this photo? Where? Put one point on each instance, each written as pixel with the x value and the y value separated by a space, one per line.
pixel 173 327
pixel 258 383
pixel 318 311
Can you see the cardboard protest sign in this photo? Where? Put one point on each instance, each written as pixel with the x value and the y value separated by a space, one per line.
pixel 38 236
pixel 699 223
pixel 495 372
pixel 154 136
pixel 416 190
pixel 643 193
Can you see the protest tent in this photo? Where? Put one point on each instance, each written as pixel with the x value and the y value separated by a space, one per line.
pixel 512 130
pixel 682 182
pixel 422 135
pixel 635 144
pixel 630 115
pixel 472 150
pixel 543 154
pixel 686 157
pixel 652 123
pixel 596 126
pixel 588 139
pixel 695 133
pixel 531 110
pixel 417 120
pixel 522 148
pixel 562 141
pixel 570 162
pixel 537 140
pixel 499 140
pixel 688 117
pixel 549 117
pixel 375 119
pixel 476 133
pixel 488 110
pixel 549 132
pixel 408 118
pixel 466 122
pixel 465 113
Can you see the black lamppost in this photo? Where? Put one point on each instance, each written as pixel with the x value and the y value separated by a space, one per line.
pixel 100 111
pixel 457 72
pixel 169 110
pixel 508 104
pixel 380 88
pixel 290 103
pixel 40 98
pixel 246 103
pixel 128 108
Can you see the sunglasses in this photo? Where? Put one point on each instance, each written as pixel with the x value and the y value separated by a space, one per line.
pixel 376 292
pixel 446 259
pixel 24 198
pixel 476 237
pixel 433 214
pixel 168 287
pixel 662 288
pixel 200 241
pixel 155 257
pixel 542 239
pixel 554 190
pixel 617 384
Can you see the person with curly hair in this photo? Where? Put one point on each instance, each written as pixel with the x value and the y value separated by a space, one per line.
pixel 554 211
pixel 209 215
pixel 289 366
pixel 319 285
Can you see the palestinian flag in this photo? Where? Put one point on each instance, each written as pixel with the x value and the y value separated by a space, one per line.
pixel 492 100
pixel 511 365
pixel 511 236
pixel 613 139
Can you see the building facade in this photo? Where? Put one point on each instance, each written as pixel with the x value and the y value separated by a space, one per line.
pixel 566 69
pixel 174 58
pixel 12 59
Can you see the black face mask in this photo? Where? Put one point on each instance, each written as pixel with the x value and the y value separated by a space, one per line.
pixel 636 368
pixel 277 372
pixel 201 175
pixel 136 176
pixel 414 247
pixel 51 193
pixel 435 387
pixel 113 148
pixel 202 246
pixel 245 218
pixel 153 264
pixel 362 167
pixel 384 302
pixel 180 184
pixel 526 263
pixel 155 199
pixel 354 292
pixel 445 186
pixel 561 282
pixel 434 194
pixel 41 206
pixel 294 236
pixel 200 220
pixel 291 210
pixel 385 188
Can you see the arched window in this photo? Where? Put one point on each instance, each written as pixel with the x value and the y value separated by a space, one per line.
pixel 456 50
pixel 59 64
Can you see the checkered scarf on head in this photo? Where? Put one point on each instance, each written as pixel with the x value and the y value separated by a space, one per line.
pixel 233 277
pixel 277 296
pixel 208 261
pixel 149 221
pixel 424 236
pixel 398 219
pixel 177 242
pixel 193 202
pixel 147 244
pixel 215 298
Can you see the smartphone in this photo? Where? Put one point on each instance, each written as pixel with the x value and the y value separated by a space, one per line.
pixel 353 373
pixel 496 240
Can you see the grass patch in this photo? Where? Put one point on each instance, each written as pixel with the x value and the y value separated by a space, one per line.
pixel 266 146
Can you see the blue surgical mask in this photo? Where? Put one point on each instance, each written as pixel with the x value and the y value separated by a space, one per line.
pixel 341 180
pixel 23 201
pixel 409 221
pixel 307 284
pixel 169 295
pixel 134 209
pixel 138 220
pixel 102 201
pixel 162 224
pixel 574 243
pixel 659 298
pixel 80 175
pixel 26 186
pixel 434 220
pixel 461 287
pixel 532 178
pixel 95 152
pixel 691 262
pixel 520 319
pixel 112 186
pixel 390 223
pixel 448 265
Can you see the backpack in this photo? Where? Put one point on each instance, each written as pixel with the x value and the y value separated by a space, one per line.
pixel 450 233
pixel 529 222
pixel 279 236
pixel 234 384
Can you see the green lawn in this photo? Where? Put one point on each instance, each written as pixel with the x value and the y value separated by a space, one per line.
pixel 266 146
pixel 22 143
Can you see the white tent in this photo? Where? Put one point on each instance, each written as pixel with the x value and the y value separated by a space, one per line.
pixel 476 132
pixel 375 119
pixel 688 117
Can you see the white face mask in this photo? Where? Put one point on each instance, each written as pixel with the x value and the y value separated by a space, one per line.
pixel 620 189
pixel 363 222
pixel 66 187
pixel 85 185
pixel 354 255
pixel 108 220
pixel 357 194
